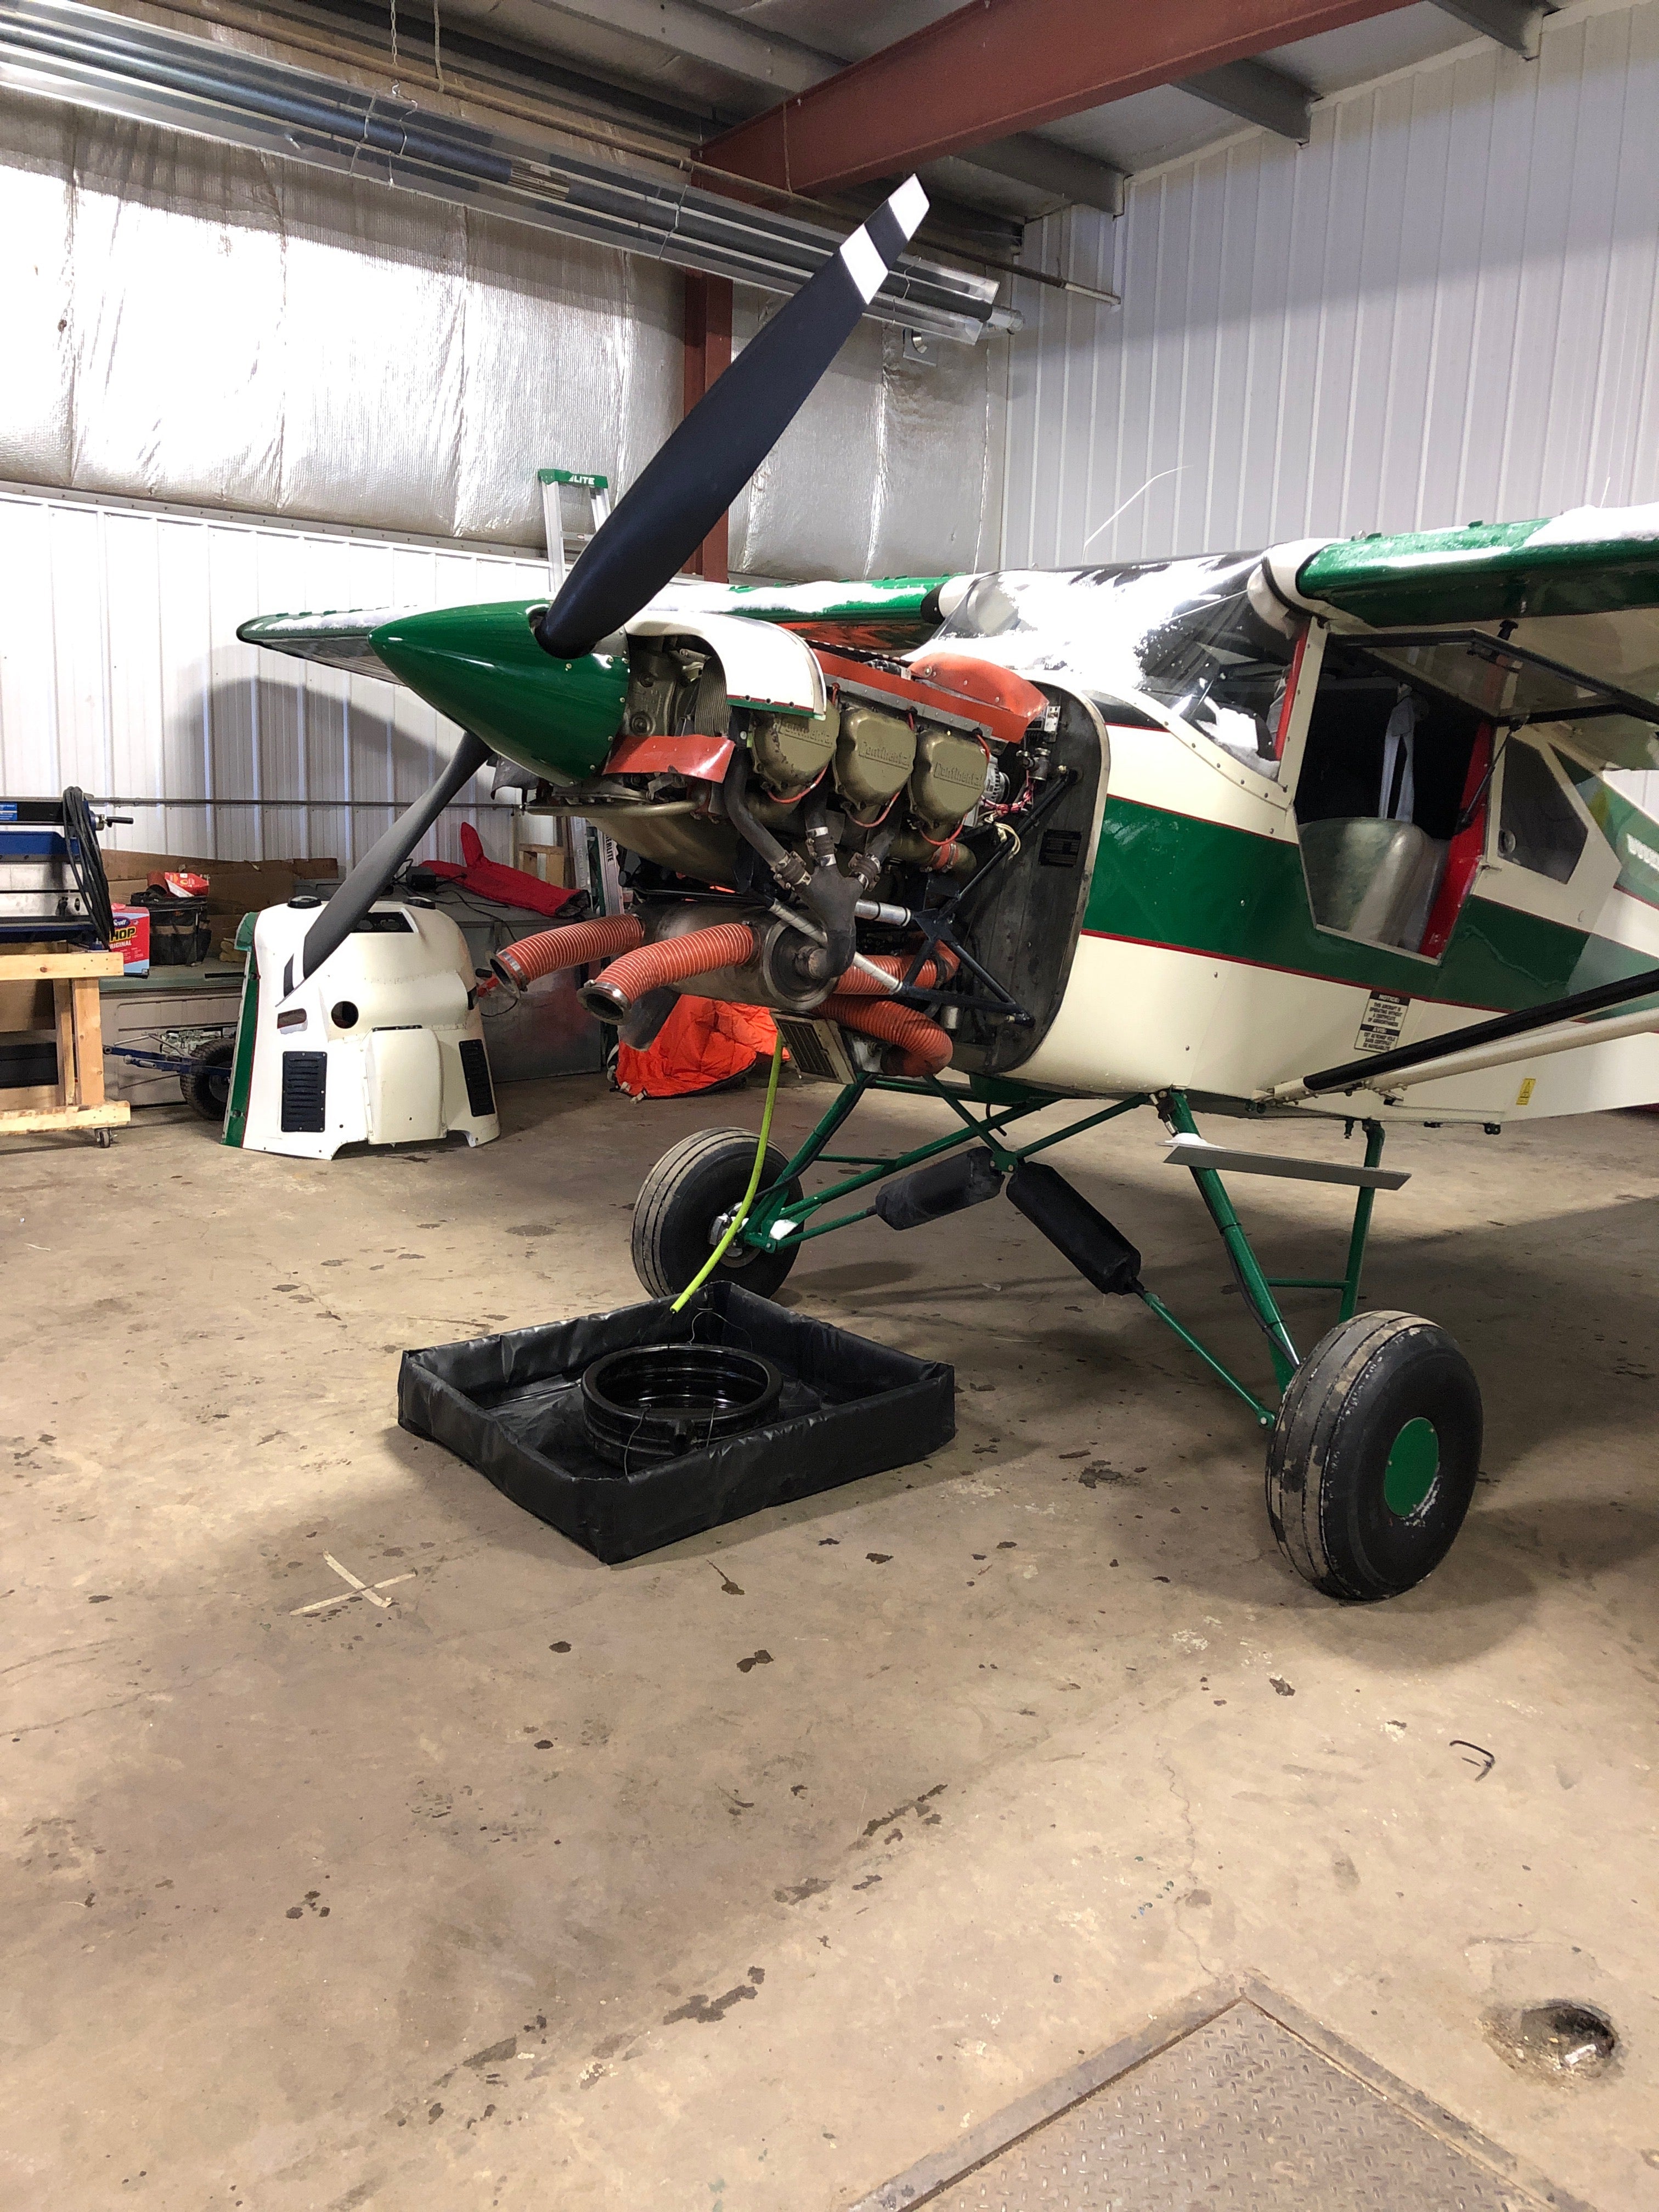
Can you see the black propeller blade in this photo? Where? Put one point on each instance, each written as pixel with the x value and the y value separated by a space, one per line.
pixel 347 906
pixel 696 474
pixel 689 484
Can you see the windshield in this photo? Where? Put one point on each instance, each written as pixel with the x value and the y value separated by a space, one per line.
pixel 1182 633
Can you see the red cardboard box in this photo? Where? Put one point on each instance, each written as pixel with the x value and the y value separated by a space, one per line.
pixel 130 938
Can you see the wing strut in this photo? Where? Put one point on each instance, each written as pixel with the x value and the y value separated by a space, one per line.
pixel 1372 1072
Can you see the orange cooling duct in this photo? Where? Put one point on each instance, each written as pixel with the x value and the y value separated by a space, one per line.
pixel 923 1046
pixel 667 960
pixel 575 945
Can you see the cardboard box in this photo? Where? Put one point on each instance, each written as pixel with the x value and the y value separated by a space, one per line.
pixel 549 864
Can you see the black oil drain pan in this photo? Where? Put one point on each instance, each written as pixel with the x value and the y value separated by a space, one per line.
pixel 515 1408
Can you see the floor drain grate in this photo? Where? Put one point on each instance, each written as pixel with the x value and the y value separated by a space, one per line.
pixel 1238 2111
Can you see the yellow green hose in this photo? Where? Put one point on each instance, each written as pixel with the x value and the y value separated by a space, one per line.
pixel 742 1213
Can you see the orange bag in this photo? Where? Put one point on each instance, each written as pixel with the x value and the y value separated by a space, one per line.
pixel 703 1042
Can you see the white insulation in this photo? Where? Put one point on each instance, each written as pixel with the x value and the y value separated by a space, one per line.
pixel 191 326
pixel 1442 310
pixel 192 323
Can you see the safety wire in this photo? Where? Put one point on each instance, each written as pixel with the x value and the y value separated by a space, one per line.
pixel 742 1213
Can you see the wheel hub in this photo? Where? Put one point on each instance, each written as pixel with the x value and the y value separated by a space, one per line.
pixel 1413 1463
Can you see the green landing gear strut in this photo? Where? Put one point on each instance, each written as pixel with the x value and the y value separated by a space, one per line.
pixel 1373 1448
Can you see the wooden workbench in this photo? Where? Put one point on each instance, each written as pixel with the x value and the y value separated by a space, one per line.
pixel 80 1103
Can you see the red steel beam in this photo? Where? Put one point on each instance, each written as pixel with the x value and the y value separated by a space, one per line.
pixel 1001 66
pixel 708 354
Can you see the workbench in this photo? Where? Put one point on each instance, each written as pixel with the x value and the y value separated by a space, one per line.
pixel 78 1026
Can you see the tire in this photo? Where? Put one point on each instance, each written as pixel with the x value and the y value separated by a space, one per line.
pixel 691 1186
pixel 1372 1461
pixel 206 1082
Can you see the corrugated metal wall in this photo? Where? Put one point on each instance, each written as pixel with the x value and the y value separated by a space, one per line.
pixel 120 670
pixel 1441 310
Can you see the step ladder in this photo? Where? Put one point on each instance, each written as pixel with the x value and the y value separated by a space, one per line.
pixel 563 543
pixel 593 856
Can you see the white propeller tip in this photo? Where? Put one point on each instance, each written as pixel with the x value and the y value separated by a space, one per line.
pixel 909 205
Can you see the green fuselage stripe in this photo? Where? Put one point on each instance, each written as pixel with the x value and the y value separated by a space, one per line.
pixel 1166 878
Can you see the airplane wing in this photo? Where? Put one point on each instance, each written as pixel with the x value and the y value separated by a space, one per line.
pixel 1554 621
pixel 339 638
pixel 886 615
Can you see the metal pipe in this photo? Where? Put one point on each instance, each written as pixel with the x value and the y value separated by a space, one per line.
pixel 1361 1074
pixel 59 50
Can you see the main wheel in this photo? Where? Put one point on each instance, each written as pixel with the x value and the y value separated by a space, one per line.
pixel 1372 1461
pixel 206 1082
pixel 684 1204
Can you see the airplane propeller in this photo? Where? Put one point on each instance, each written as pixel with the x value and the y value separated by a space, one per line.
pixel 661 522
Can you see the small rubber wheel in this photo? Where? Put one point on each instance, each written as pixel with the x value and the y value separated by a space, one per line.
pixel 1372 1461
pixel 693 1185
pixel 206 1082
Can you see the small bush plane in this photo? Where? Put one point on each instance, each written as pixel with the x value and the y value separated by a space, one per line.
pixel 1319 832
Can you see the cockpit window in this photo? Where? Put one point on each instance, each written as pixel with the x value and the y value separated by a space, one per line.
pixel 1539 827
pixel 1182 633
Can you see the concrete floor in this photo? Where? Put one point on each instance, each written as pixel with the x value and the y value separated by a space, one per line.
pixel 527 1890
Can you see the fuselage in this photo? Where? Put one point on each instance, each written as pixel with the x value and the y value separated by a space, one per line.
pixel 1203 959
pixel 1309 837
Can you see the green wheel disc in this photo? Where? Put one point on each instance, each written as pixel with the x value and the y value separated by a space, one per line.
pixel 1413 1463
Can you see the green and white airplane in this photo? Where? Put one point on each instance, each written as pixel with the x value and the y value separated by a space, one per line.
pixel 1321 832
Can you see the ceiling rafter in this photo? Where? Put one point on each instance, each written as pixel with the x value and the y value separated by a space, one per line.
pixel 778 65
pixel 997 67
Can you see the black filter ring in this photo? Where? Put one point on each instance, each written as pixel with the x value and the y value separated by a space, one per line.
pixel 656 1401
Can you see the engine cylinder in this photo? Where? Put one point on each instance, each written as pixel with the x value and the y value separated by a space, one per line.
pixel 874 755
pixel 949 778
pixel 793 750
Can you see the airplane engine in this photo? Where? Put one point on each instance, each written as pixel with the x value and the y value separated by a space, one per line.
pixel 805 825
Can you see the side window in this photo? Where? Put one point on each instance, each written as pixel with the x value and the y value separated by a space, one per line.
pixel 1538 826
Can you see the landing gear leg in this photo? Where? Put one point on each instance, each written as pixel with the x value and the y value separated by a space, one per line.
pixel 1373 1455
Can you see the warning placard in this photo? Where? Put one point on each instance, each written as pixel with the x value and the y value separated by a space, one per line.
pixel 1385 1017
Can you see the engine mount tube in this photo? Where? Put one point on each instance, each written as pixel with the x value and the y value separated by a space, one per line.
pixel 666 960
pixel 859 983
pixel 575 945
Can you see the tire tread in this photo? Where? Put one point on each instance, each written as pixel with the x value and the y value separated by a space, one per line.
pixel 659 1191
pixel 1320 1404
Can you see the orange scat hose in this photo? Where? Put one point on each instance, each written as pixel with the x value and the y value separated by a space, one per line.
pixel 576 946
pixel 671 959
pixel 922 1046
